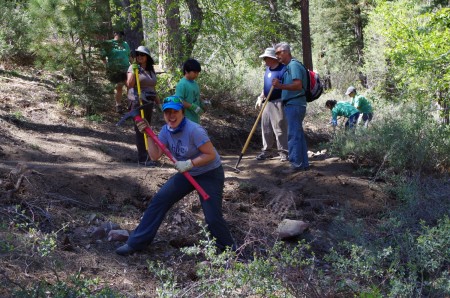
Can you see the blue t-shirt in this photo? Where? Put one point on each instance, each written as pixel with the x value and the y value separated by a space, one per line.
pixel 271 74
pixel 294 71
pixel 184 145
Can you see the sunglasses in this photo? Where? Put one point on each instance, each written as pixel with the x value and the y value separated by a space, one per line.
pixel 172 99
pixel 140 54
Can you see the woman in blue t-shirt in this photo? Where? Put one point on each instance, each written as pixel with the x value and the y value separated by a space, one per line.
pixel 190 145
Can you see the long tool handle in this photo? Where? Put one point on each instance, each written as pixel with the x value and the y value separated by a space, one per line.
pixel 138 84
pixel 254 127
pixel 166 151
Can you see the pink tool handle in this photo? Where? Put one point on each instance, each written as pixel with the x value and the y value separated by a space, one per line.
pixel 166 151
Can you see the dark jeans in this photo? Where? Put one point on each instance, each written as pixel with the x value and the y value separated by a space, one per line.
pixel 366 118
pixel 174 190
pixel 140 138
pixel 351 122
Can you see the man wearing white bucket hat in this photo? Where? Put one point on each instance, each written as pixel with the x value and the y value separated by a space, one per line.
pixel 273 123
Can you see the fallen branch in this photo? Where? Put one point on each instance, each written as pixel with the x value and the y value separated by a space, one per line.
pixel 60 198
pixel 10 192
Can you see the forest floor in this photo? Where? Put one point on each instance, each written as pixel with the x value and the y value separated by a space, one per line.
pixel 62 173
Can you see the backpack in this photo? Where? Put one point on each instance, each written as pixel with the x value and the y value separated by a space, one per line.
pixel 314 86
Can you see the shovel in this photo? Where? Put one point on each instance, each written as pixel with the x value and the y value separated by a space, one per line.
pixel 253 129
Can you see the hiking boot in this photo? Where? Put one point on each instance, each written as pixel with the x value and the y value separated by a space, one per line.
pixel 264 156
pixel 291 170
pixel 148 163
pixel 125 250
pixel 283 157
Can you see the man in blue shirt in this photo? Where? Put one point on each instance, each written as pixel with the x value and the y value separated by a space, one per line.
pixel 294 101
pixel 273 122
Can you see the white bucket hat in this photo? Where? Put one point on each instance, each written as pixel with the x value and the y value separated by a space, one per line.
pixel 270 53
pixel 350 90
pixel 142 49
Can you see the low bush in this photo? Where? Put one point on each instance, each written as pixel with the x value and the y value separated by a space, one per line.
pixel 15 32
pixel 404 140
pixel 75 286
pixel 283 272
pixel 414 265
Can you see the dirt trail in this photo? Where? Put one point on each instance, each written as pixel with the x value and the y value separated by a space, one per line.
pixel 80 174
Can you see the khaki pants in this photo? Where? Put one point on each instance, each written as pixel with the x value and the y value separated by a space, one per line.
pixel 274 127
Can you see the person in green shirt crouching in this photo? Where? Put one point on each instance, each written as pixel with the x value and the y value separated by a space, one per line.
pixel 344 109
pixel 362 104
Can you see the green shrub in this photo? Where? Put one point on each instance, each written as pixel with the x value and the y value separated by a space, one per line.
pixel 231 88
pixel 76 286
pixel 89 96
pixel 281 272
pixel 413 265
pixel 15 33
pixel 404 140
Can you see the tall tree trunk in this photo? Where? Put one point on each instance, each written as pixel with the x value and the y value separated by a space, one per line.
pixel 194 26
pixel 358 28
pixel 176 44
pixel 169 35
pixel 306 34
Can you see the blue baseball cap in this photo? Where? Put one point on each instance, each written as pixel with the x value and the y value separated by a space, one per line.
pixel 172 102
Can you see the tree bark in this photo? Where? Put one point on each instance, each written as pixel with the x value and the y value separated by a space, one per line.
pixel 176 44
pixel 358 28
pixel 169 34
pixel 306 34
pixel 194 27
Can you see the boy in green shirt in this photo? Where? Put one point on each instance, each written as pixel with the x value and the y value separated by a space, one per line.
pixel 362 104
pixel 189 91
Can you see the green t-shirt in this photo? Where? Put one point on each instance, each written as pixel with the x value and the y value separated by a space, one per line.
pixel 362 104
pixel 189 91
pixel 343 108
pixel 117 54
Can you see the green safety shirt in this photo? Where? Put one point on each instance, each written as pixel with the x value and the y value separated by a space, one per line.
pixel 189 91
pixel 343 108
pixel 362 104
pixel 117 54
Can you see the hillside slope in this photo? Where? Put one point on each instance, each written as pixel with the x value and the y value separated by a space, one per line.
pixel 61 173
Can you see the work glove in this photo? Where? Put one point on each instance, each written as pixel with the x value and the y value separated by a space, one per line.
pixel 135 66
pixel 142 125
pixel 333 122
pixel 197 109
pixel 183 165
pixel 259 102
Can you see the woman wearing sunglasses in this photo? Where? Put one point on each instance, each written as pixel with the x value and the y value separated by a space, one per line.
pixel 147 79
pixel 190 145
